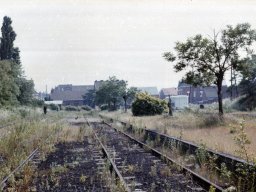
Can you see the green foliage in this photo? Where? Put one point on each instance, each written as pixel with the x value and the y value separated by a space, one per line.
pixel 37 103
pixel 26 91
pixel 131 93
pixel 14 88
pixel 111 91
pixel 207 59
pixel 248 84
pixel 7 51
pixel 86 108
pixel 242 141
pixel 145 104
pixel 71 108
pixel 54 107
pixel 8 87
pixel 202 154
pixel 89 98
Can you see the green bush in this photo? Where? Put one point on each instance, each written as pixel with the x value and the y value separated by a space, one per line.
pixel 54 107
pixel 37 103
pixel 71 108
pixel 86 108
pixel 145 104
pixel 104 107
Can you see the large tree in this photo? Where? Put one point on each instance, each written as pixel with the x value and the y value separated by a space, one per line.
pixel 111 91
pixel 89 97
pixel 7 49
pixel 26 91
pixel 13 85
pixel 207 59
pixel 247 85
pixel 8 86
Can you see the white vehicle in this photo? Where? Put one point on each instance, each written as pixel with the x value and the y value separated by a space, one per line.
pixel 179 101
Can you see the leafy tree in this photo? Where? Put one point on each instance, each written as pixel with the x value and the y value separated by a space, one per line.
pixel 129 96
pixel 7 49
pixel 26 91
pixel 111 91
pixel 89 97
pixel 8 86
pixel 248 83
pixel 207 59
pixel 14 87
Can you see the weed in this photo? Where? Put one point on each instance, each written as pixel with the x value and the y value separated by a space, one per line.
pixel 83 178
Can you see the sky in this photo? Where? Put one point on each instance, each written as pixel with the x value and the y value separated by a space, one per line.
pixel 80 41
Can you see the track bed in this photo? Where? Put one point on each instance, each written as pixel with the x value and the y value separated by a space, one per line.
pixel 140 170
pixel 72 167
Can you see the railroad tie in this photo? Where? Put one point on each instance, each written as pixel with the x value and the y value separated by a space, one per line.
pixel 134 184
pixel 129 177
pixel 138 190
pixel 196 188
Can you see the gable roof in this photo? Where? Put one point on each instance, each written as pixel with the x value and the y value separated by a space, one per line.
pixel 70 92
pixel 149 90
pixel 170 91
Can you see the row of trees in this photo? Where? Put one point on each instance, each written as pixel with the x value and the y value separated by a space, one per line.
pixel 14 87
pixel 206 60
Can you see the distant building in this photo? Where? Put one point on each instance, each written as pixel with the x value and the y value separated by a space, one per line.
pixel 201 94
pixel 150 90
pixel 166 92
pixel 70 94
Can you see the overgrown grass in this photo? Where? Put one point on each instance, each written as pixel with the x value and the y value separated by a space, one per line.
pixel 198 126
pixel 31 130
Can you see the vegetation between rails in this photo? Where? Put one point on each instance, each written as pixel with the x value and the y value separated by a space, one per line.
pixel 30 131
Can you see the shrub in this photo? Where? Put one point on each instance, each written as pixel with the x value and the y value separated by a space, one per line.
pixel 86 108
pixel 37 103
pixel 54 107
pixel 145 104
pixel 71 108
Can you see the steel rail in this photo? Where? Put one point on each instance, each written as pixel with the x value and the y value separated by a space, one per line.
pixel 113 165
pixel 19 167
pixel 32 154
pixel 203 182
pixel 231 161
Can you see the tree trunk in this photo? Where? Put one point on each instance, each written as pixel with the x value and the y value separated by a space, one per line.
pixel 219 86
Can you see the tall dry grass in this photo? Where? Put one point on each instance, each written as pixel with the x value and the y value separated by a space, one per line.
pixel 199 127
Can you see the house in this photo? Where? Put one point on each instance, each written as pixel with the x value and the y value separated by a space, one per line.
pixel 150 90
pixel 70 94
pixel 166 92
pixel 200 94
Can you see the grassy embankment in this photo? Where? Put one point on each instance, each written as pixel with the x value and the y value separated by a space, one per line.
pixel 199 126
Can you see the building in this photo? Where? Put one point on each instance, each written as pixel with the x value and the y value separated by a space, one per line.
pixel 166 92
pixel 201 94
pixel 150 90
pixel 70 94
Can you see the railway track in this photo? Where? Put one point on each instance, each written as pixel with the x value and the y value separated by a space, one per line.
pixel 32 157
pixel 138 167
pixel 244 181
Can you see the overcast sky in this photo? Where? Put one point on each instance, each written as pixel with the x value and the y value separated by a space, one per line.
pixel 79 41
